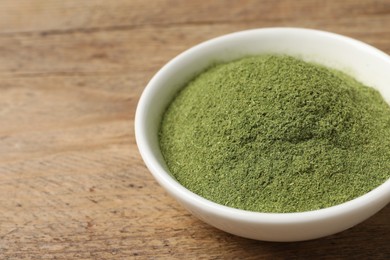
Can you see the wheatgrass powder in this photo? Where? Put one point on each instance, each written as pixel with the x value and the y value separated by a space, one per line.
pixel 277 134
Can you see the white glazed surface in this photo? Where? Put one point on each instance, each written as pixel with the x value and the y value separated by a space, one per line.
pixel 360 60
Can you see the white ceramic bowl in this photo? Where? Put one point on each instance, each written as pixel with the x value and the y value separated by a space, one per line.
pixel 360 60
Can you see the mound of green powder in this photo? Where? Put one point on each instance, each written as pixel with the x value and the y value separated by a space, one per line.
pixel 277 134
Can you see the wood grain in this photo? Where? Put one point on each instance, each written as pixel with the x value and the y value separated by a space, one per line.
pixel 72 184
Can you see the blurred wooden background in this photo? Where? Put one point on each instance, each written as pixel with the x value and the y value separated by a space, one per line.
pixel 72 183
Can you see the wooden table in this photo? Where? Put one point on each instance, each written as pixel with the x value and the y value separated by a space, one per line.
pixel 72 183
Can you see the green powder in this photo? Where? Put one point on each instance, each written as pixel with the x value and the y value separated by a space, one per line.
pixel 277 134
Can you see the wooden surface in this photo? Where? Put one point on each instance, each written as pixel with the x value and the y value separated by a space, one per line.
pixel 72 183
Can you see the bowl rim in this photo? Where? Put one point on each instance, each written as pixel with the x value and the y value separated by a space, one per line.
pixel 381 192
